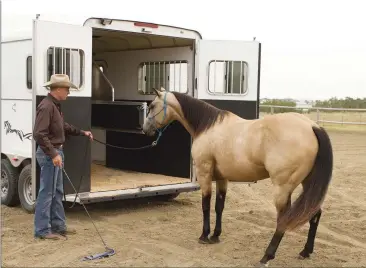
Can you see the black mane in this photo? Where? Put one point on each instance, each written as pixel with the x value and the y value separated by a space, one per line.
pixel 199 114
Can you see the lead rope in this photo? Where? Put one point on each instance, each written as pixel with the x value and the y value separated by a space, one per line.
pixel 154 143
pixel 109 251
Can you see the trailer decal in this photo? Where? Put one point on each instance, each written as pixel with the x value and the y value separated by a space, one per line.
pixel 20 133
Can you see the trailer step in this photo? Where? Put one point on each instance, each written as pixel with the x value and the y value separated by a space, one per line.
pixel 95 197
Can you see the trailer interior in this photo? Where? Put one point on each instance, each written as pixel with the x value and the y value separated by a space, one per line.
pixel 126 66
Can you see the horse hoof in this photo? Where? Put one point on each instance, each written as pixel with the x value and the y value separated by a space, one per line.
pixel 262 265
pixel 204 240
pixel 214 239
pixel 303 255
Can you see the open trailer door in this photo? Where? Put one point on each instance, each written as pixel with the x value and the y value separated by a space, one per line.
pixel 67 49
pixel 229 75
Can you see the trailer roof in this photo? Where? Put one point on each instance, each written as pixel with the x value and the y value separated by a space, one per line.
pixel 16 36
pixel 26 35
pixel 142 22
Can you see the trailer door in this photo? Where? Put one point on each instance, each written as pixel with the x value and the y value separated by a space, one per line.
pixel 228 75
pixel 67 49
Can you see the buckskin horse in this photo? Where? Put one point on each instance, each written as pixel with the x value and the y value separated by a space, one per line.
pixel 288 148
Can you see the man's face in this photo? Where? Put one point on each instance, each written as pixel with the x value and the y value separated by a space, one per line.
pixel 62 93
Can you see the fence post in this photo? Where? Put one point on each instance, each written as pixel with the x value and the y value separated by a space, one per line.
pixel 342 121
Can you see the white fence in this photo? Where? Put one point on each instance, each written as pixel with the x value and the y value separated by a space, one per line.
pixel 340 116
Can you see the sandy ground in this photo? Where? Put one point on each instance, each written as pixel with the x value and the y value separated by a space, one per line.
pixel 160 233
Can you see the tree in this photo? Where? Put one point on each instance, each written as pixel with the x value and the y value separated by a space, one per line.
pixel 278 102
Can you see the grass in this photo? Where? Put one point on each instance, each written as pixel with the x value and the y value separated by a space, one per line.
pixel 342 117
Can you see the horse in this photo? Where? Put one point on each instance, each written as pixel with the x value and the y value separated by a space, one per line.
pixel 288 148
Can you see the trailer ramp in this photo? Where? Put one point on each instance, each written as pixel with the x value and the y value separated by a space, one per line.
pixel 95 197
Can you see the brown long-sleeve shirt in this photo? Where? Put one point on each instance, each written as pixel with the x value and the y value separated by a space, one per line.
pixel 49 128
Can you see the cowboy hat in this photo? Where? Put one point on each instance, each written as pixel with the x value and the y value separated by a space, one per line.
pixel 60 80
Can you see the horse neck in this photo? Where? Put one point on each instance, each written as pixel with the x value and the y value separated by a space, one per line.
pixel 196 116
pixel 180 118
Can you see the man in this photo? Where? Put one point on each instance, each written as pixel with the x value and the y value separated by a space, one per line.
pixel 49 133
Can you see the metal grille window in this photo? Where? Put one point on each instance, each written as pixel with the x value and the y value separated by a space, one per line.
pixel 66 61
pixel 29 72
pixel 228 77
pixel 171 75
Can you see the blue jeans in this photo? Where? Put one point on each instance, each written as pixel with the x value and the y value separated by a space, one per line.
pixel 49 210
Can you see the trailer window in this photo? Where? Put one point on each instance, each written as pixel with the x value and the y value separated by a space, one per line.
pixel 66 61
pixel 228 77
pixel 29 72
pixel 171 75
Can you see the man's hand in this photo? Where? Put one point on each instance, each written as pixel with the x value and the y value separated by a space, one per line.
pixel 89 134
pixel 57 161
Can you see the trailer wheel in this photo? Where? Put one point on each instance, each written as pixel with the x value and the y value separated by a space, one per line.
pixel 9 184
pixel 25 189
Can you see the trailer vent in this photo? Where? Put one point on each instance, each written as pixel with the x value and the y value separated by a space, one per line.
pixel 68 61
pixel 171 75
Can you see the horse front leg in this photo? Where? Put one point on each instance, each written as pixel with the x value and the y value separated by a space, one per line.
pixel 206 206
pixel 204 177
pixel 221 189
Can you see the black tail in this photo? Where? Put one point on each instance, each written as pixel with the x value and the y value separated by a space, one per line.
pixel 315 186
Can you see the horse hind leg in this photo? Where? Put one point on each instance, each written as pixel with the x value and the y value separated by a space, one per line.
pixel 313 222
pixel 309 246
pixel 282 198
pixel 221 189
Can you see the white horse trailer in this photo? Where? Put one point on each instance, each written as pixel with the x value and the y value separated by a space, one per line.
pixel 116 63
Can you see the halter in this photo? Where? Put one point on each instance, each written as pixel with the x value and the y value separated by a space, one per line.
pixel 159 129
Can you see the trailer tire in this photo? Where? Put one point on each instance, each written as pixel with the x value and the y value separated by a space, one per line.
pixel 25 189
pixel 9 178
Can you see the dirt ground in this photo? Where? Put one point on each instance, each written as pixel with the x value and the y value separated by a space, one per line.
pixel 160 233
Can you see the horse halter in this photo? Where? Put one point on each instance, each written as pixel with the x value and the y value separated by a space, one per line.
pixel 159 129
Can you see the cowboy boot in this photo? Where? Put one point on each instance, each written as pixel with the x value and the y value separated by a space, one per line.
pixel 50 236
pixel 68 231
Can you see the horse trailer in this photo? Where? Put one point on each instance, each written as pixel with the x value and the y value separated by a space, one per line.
pixel 116 64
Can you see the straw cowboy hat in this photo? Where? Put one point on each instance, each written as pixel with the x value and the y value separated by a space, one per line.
pixel 60 80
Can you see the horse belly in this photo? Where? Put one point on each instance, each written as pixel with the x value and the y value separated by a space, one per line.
pixel 236 158
pixel 241 170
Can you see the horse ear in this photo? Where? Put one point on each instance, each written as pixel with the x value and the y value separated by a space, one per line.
pixel 157 92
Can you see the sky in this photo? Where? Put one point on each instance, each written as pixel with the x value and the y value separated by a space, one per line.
pixel 310 49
